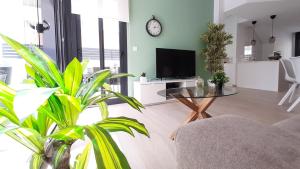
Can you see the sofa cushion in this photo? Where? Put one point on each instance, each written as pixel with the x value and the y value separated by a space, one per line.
pixel 291 125
pixel 230 142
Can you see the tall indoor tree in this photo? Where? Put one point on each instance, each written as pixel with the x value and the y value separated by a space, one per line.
pixel 48 124
pixel 215 40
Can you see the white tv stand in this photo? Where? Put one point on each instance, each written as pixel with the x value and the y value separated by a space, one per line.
pixel 146 93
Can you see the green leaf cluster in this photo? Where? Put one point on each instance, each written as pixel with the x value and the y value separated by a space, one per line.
pixel 48 127
pixel 219 78
pixel 215 40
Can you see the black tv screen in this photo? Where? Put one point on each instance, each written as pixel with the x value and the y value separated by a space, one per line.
pixel 173 63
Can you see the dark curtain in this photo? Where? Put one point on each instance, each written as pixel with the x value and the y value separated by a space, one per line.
pixel 297 44
pixel 123 55
pixel 67 32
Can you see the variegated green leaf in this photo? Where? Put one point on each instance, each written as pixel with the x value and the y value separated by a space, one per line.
pixel 52 67
pixel 70 133
pixel 38 80
pixel 107 86
pixel 52 115
pixel 9 115
pixel 29 138
pixel 103 109
pixel 95 84
pixel 84 64
pixel 107 153
pixel 115 127
pixel 71 106
pixel 6 126
pixel 132 123
pixel 32 59
pixel 73 77
pixel 130 100
pixel 30 122
pixel 30 71
pixel 36 161
pixel 82 159
pixel 56 109
pixel 96 99
pixel 8 104
pixel 6 92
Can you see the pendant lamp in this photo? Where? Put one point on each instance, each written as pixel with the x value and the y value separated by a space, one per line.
pixel 272 39
pixel 253 41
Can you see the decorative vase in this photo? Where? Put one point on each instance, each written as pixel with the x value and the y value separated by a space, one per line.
pixel 199 82
pixel 143 79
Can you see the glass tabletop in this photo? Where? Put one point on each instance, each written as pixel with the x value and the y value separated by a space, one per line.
pixel 195 92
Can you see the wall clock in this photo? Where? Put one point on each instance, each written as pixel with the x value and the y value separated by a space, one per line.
pixel 154 27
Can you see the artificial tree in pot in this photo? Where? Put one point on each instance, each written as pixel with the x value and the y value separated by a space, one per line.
pixel 215 40
pixel 49 126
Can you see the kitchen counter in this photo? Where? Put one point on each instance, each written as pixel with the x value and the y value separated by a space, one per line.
pixel 263 75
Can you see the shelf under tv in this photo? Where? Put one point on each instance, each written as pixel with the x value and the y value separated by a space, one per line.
pixel 146 92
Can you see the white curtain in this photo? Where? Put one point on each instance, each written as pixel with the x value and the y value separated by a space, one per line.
pixel 112 9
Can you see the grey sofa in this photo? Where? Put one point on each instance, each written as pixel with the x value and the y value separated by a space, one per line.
pixel 231 142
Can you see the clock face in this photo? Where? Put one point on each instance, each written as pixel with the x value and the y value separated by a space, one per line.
pixel 154 27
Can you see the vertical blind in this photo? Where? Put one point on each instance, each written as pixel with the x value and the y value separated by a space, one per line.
pixel 112 9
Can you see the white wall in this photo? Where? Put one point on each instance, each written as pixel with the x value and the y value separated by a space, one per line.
pixel 218 11
pixel 244 37
pixel 284 43
pixel 230 68
pixel 267 50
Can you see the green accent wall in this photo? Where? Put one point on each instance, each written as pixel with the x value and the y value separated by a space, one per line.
pixel 183 23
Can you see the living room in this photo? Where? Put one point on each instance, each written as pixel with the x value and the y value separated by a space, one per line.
pixel 149 84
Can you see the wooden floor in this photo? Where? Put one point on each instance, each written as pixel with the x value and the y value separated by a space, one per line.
pixel 158 152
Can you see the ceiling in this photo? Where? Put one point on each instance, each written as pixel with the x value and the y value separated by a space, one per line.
pixel 287 20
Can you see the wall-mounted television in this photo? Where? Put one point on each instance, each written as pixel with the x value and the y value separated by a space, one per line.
pixel 174 63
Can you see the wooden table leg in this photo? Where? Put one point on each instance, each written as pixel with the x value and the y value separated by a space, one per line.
pixel 199 110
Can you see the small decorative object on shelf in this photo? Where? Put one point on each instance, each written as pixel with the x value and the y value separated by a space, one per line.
pixel 219 79
pixel 199 82
pixel 275 56
pixel 143 78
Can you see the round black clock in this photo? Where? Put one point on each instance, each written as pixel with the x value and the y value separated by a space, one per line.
pixel 154 27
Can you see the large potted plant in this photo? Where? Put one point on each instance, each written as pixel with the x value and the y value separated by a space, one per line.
pixel 215 40
pixel 48 125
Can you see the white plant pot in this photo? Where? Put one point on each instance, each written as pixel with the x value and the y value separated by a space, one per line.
pixel 210 84
pixel 143 79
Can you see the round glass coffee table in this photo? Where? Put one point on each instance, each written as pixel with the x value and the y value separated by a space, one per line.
pixel 189 96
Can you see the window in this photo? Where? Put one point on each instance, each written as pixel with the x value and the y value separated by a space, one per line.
pixel 104 37
pixel 15 17
pixel 248 50
pixel 112 50
pixel 90 42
